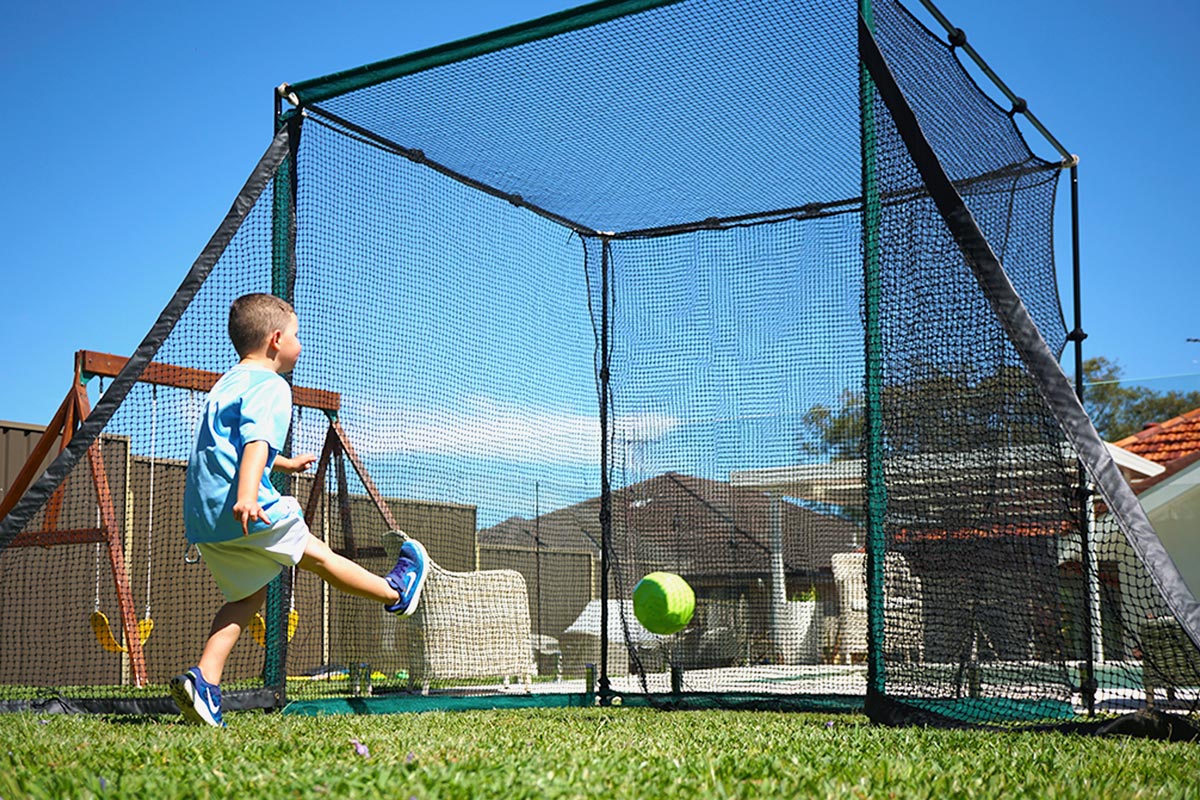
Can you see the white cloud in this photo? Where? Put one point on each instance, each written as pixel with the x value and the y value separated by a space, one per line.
pixel 488 428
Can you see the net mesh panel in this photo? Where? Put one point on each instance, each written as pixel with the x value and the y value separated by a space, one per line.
pixel 978 490
pixel 716 361
pixel 495 366
pixel 462 351
pixel 570 123
pixel 50 594
pixel 982 532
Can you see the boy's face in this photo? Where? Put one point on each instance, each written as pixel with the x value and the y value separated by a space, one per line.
pixel 287 345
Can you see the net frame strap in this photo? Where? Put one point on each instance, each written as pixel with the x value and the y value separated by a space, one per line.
pixel 99 417
pixel 318 115
pixel 1053 385
pixel 345 127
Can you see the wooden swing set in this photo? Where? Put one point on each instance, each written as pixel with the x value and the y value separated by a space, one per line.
pixel 62 428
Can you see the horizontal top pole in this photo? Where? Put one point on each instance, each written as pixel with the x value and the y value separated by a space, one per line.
pixel 107 365
pixel 1019 104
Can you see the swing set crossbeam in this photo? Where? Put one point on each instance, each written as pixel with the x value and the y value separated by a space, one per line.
pixel 106 365
pixel 60 536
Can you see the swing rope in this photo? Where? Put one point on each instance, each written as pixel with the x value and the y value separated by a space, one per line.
pixel 191 553
pixel 101 627
pixel 150 513
pixel 98 620
pixel 293 616
pixel 96 609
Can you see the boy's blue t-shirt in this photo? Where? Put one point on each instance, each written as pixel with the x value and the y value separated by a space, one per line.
pixel 248 404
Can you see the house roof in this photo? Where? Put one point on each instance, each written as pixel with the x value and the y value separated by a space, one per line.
pixel 1164 442
pixel 693 526
pixel 933 474
pixel 980 493
pixel 1170 471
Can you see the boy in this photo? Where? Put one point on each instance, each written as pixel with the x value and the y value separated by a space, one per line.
pixel 245 531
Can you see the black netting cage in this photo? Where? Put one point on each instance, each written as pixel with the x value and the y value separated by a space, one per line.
pixel 759 293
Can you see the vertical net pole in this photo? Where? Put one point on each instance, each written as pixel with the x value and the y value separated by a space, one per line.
pixel 283 280
pixel 876 490
pixel 1087 521
pixel 605 690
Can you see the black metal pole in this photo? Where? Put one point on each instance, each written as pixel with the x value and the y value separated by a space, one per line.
pixel 1077 335
pixel 605 691
pixel 537 545
pixel 1087 683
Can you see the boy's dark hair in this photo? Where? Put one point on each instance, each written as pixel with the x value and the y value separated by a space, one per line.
pixel 253 317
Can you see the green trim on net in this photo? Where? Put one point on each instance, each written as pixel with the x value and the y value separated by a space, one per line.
pixel 740 701
pixel 283 259
pixel 873 407
pixel 993 709
pixel 315 90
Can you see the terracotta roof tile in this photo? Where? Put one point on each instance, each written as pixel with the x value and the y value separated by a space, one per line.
pixel 1008 530
pixel 1163 442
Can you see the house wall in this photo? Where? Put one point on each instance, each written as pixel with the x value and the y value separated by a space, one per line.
pixel 17 441
pixel 1174 510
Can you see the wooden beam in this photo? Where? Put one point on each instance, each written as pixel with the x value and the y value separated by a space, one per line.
pixel 318 485
pixel 376 497
pixel 200 380
pixel 343 490
pixel 75 416
pixel 52 538
pixel 29 469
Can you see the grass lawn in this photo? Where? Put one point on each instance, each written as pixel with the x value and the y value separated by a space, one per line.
pixel 603 753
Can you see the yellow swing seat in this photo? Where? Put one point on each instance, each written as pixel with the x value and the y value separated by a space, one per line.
pixel 258 627
pixel 104 634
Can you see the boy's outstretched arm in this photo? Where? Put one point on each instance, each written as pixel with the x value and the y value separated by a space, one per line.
pixel 294 464
pixel 250 473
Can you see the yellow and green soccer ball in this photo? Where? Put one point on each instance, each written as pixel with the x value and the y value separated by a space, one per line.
pixel 663 602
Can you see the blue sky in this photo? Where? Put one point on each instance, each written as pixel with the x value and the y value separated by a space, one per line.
pixel 130 126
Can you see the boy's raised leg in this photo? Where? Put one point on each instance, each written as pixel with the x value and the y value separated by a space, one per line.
pixel 399 591
pixel 345 575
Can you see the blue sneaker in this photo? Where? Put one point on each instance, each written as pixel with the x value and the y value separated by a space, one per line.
pixel 199 701
pixel 408 577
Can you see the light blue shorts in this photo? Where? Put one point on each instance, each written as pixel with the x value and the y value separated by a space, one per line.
pixel 244 565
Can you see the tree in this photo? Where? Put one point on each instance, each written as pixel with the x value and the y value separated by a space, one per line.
pixel 939 409
pixel 930 409
pixel 835 434
pixel 1118 410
